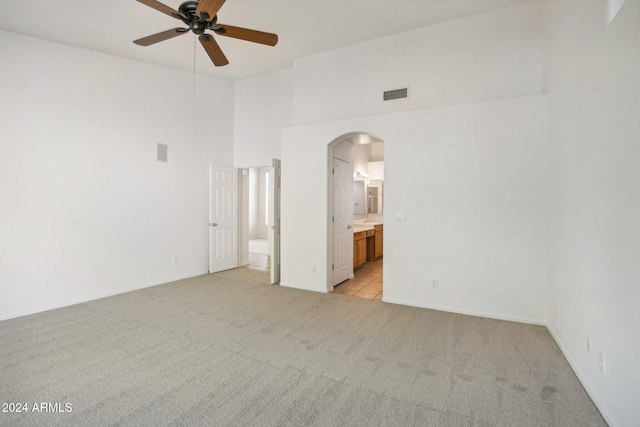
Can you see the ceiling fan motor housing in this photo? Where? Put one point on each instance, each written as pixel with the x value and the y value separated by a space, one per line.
pixel 197 24
pixel 188 8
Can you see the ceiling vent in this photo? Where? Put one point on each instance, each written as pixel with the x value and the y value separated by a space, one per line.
pixel 395 94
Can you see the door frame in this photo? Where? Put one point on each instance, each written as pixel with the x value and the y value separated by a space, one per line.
pixel 275 194
pixel 273 228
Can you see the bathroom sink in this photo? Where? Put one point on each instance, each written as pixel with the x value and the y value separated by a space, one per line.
pixel 362 227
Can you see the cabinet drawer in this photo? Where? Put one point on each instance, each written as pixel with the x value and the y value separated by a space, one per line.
pixel 359 235
pixel 371 233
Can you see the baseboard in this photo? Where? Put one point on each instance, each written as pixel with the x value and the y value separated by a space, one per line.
pixel 69 303
pixel 304 288
pixel 583 380
pixel 467 312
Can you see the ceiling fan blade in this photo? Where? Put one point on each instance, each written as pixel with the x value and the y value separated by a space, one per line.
pixel 160 37
pixel 246 34
pixel 161 8
pixel 213 49
pixel 208 9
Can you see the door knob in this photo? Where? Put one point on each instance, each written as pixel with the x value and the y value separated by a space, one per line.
pixel 213 224
pixel 349 227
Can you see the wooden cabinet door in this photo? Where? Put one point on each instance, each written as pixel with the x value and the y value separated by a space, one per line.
pixel 378 242
pixel 355 252
pixel 362 252
pixel 359 249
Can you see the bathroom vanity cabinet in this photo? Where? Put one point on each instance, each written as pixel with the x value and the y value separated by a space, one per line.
pixel 367 245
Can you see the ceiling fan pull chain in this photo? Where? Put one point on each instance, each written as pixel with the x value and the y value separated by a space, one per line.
pixel 194 77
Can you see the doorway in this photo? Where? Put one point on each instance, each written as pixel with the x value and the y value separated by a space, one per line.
pixel 255 218
pixel 260 223
pixel 365 224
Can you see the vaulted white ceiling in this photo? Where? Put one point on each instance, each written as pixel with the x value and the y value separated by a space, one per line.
pixel 304 27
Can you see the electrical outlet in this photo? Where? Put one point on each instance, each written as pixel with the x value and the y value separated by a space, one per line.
pixel 588 345
pixel 434 283
pixel 175 260
pixel 601 362
pixel 313 269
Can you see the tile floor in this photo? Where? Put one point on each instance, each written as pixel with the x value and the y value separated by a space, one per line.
pixel 367 282
pixel 261 262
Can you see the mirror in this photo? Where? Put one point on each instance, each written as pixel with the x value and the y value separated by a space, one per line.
pixel 372 200
pixel 374 196
pixel 359 200
pixel 367 197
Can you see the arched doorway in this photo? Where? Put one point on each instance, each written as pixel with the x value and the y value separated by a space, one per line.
pixel 355 203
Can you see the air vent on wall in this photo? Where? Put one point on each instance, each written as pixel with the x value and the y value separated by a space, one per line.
pixel 391 95
pixel 163 151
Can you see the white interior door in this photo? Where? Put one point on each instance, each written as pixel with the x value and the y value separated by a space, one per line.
pixel 274 218
pixel 342 221
pixel 223 219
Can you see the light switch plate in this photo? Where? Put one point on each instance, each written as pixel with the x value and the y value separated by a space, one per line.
pixel 401 216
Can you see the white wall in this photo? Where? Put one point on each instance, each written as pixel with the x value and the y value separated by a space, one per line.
pixel 361 153
pixel 376 170
pixel 472 181
pixel 245 216
pixel 479 58
pixel 257 199
pixel 377 152
pixel 262 230
pixel 343 151
pixel 254 196
pixel 86 209
pixel 594 99
pixel 263 106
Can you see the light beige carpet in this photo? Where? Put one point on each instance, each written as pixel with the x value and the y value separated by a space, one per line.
pixel 230 349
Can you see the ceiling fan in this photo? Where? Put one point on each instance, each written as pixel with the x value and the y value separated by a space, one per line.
pixel 200 16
